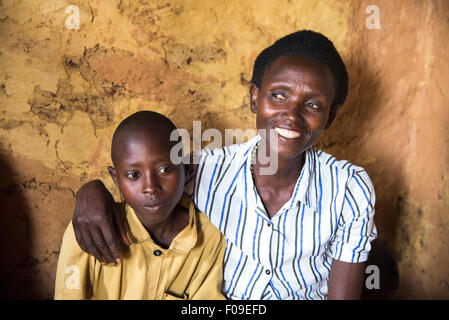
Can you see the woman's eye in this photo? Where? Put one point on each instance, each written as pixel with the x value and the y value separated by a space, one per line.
pixel 313 106
pixel 278 96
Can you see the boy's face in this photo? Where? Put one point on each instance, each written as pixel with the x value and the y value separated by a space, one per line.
pixel 294 99
pixel 148 180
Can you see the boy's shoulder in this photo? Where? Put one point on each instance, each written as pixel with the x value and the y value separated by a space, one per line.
pixel 204 226
pixel 70 249
pixel 69 238
pixel 208 234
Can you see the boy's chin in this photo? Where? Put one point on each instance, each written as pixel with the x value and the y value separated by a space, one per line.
pixel 152 218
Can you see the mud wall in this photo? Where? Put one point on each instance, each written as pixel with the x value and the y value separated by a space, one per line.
pixel 64 88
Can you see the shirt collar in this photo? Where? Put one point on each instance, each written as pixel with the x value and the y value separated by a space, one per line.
pixel 183 242
pixel 304 185
pixel 302 191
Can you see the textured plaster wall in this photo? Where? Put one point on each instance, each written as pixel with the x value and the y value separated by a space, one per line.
pixel 62 93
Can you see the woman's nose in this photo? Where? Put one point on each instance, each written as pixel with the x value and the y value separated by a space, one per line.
pixel 294 111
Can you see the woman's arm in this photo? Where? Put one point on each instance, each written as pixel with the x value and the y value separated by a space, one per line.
pixel 345 280
pixel 352 240
pixel 98 226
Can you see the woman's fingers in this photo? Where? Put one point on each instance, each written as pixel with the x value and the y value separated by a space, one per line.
pixel 120 226
pixel 102 245
pixel 87 241
pixel 113 249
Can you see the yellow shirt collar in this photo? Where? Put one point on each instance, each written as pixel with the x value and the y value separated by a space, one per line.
pixel 183 242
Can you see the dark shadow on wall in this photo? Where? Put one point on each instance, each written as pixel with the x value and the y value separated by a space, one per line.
pixel 17 266
pixel 382 275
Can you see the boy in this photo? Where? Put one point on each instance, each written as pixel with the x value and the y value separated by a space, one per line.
pixel 303 232
pixel 175 252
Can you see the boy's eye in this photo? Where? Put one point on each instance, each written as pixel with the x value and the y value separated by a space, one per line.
pixel 165 170
pixel 133 175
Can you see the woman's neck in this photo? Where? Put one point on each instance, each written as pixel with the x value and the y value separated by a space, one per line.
pixel 286 174
pixel 276 189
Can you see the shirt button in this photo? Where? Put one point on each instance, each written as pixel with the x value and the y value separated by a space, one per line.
pixel 157 252
pixel 269 225
pixel 267 272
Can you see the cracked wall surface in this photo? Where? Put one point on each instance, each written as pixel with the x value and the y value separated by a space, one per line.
pixel 63 91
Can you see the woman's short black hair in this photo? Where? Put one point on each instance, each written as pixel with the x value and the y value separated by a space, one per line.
pixel 310 44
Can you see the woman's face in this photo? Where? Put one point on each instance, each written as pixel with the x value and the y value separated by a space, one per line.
pixel 294 100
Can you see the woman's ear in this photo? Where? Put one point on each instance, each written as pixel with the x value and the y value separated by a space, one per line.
pixel 113 174
pixel 253 95
pixel 332 114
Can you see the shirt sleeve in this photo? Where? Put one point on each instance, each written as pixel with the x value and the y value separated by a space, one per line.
pixel 74 273
pixel 207 283
pixel 356 228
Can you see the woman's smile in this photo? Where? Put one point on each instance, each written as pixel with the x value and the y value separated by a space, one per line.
pixel 294 100
pixel 289 134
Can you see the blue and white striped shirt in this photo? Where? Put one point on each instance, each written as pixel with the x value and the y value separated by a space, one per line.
pixel 329 216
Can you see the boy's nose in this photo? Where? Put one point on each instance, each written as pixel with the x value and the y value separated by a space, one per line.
pixel 151 189
pixel 150 186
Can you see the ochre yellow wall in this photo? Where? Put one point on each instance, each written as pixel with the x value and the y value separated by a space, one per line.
pixel 62 93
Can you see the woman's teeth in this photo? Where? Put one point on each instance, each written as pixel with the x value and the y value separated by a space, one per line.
pixel 290 134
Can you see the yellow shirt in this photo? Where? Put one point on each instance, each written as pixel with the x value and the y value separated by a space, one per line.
pixel 191 268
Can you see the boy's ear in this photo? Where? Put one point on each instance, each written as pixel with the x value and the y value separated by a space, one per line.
pixel 253 95
pixel 332 114
pixel 113 174
pixel 189 171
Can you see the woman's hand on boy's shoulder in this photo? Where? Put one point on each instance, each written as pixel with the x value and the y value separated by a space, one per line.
pixel 99 229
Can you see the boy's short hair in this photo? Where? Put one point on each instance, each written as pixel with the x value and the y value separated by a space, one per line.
pixel 149 121
pixel 309 44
